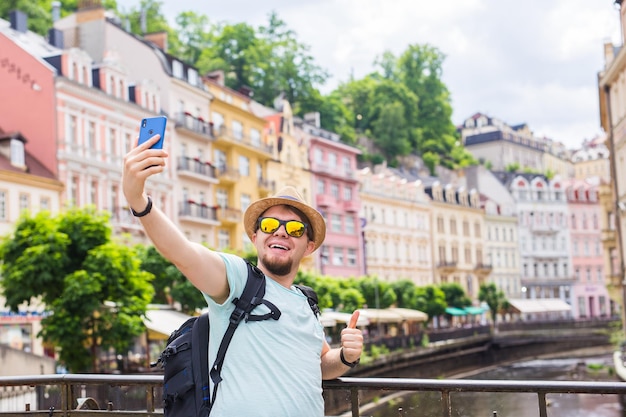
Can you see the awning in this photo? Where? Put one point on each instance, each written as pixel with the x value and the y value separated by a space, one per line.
pixel 453 311
pixel 376 315
pixel 341 318
pixel 409 314
pixel 540 305
pixel 162 322
pixel 474 310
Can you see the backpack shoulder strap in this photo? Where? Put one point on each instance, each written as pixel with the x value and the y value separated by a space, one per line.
pixel 311 296
pixel 251 297
pixel 200 348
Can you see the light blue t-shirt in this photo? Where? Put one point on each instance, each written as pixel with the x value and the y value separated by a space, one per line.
pixel 273 367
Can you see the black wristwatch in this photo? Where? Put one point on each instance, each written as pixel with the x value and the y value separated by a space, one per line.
pixel 145 211
pixel 345 362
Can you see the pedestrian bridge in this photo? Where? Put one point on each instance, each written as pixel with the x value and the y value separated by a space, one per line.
pixel 85 395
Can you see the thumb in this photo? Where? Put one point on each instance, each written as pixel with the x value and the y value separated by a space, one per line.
pixel 353 320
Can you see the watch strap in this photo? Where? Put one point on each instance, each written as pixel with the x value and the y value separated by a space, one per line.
pixel 345 362
pixel 145 211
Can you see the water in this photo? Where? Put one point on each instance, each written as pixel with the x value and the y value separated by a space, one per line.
pixel 428 404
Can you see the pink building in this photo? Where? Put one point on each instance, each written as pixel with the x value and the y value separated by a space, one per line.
pixel 336 195
pixel 28 89
pixel 589 296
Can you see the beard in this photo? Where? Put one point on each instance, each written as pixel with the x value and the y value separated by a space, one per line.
pixel 277 267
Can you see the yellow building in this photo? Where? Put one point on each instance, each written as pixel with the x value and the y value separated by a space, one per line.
pixel 458 237
pixel 241 152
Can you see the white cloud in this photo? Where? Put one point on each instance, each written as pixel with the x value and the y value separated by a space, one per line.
pixel 531 61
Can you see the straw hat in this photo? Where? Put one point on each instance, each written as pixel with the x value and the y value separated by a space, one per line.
pixel 290 197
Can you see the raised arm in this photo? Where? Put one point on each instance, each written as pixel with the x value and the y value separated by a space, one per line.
pixel 202 266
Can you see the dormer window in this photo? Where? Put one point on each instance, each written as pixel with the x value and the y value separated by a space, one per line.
pixel 177 69
pixel 17 153
pixel 192 76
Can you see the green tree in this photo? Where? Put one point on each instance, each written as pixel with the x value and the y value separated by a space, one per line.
pixel 377 293
pixel 495 299
pixel 93 288
pixel 431 300
pixel 455 295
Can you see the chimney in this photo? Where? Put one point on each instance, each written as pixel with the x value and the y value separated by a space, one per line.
pixel 19 21
pixel 313 118
pixel 56 11
pixel 55 38
pixel 143 21
pixel 217 76
pixel 89 10
pixel 158 38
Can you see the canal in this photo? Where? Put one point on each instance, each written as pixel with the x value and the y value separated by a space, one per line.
pixel 588 368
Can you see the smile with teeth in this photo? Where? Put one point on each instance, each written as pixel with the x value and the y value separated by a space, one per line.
pixel 277 246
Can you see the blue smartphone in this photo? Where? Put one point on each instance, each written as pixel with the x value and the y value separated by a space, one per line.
pixel 151 126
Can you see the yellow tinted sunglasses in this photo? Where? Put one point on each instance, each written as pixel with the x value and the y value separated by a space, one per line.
pixel 294 228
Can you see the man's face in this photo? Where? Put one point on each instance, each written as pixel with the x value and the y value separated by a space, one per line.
pixel 278 252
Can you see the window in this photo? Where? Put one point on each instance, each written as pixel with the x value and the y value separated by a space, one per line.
pixel 237 129
pixel 351 258
pixel 347 193
pixel 453 227
pixel 255 137
pixel 177 69
pixel 71 131
pixel 223 239
pixel 192 76
pixel 440 223
pixel 17 152
pixel 334 190
pixel 319 156
pixel 218 121
pixel 321 186
pixel 477 230
pixel 91 137
pixel 244 166
pixel 244 201
pixel 44 204
pixel 349 224
pixel 24 201
pixel 336 222
pixel 346 165
pixel 332 160
pixel 324 255
pixel 466 228
pixel 222 197
pixel 337 256
pixel 3 205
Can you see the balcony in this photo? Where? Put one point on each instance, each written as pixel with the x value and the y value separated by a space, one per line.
pixel 447 266
pixel 227 136
pixel 193 211
pixel 324 200
pixel 483 269
pixel 266 187
pixel 194 125
pixel 197 169
pixel 91 395
pixel 351 206
pixel 609 237
pixel 228 175
pixel 229 215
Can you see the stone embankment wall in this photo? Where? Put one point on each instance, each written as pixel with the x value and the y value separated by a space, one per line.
pixel 15 362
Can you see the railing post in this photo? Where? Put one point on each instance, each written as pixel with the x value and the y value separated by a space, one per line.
pixel 354 398
pixel 543 412
pixel 446 406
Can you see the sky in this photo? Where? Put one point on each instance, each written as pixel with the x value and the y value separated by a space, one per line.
pixel 529 61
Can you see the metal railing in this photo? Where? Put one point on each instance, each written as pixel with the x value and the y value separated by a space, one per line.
pixel 87 395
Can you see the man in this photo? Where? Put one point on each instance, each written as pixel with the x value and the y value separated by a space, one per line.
pixel 275 367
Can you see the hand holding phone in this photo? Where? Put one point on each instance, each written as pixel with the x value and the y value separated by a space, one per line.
pixel 151 126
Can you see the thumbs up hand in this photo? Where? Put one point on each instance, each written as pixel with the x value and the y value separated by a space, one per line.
pixel 352 339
